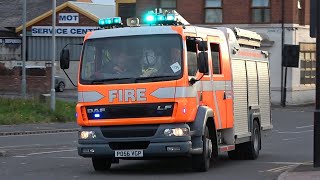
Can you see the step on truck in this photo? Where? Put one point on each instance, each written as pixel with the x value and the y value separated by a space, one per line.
pixel 170 90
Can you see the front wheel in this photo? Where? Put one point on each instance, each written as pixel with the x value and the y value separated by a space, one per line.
pixel 101 164
pixel 201 162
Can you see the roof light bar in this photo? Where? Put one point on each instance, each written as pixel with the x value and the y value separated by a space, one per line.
pixel 159 18
pixel 110 22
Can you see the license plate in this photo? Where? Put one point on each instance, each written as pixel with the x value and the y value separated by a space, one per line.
pixel 129 153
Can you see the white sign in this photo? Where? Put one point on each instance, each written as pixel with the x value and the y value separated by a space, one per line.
pixel 68 17
pixel 11 41
pixel 78 31
pixel 175 67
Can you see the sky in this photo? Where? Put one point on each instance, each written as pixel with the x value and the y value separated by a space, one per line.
pixel 109 2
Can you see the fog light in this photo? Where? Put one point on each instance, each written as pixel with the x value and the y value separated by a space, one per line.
pixel 173 148
pixel 176 132
pixel 92 150
pixel 87 135
pixel 85 150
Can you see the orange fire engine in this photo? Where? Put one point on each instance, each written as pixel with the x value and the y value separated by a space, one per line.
pixel 171 90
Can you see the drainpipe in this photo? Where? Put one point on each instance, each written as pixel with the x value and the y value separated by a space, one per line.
pixel 283 89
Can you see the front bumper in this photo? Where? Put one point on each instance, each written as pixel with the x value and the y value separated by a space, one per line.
pixel 153 146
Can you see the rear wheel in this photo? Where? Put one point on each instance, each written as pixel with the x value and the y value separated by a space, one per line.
pixel 201 162
pixel 249 150
pixel 101 164
pixel 253 147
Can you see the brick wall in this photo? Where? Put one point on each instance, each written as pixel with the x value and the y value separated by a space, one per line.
pixel 144 6
pixel 11 82
pixel 234 11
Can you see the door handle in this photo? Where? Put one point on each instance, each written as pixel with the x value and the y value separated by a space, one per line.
pixel 224 95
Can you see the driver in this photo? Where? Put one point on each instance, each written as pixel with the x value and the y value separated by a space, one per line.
pixel 121 63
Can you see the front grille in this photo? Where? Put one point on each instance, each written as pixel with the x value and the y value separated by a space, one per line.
pixel 129 145
pixel 129 131
pixel 130 111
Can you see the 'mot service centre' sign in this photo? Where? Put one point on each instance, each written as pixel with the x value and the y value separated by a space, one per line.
pixel 62 30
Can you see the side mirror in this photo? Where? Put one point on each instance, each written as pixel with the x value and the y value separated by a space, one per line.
pixel 202 45
pixel 64 59
pixel 202 62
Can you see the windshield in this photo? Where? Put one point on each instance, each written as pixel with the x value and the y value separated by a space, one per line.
pixel 131 59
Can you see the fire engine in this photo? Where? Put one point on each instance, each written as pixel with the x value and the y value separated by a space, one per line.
pixel 170 89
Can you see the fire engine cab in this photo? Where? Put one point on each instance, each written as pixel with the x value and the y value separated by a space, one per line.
pixel 170 89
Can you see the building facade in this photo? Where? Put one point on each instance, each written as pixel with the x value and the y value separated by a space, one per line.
pixel 268 19
pixel 73 21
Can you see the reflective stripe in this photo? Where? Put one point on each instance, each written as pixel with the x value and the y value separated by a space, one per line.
pixel 191 91
pixel 169 92
pixel 164 93
pixel 185 92
pixel 216 104
pixel 218 85
pixel 90 96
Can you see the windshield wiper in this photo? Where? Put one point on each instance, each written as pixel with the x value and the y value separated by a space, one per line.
pixel 102 81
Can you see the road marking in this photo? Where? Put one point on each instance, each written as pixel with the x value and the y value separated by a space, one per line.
pixel 280 169
pixel 2 147
pixel 19 156
pixel 288 132
pixel 289 139
pixel 284 168
pixel 50 152
pixel 66 157
pixel 304 127
pixel 285 163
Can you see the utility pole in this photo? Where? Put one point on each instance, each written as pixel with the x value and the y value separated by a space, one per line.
pixel 53 69
pixel 316 142
pixel 24 39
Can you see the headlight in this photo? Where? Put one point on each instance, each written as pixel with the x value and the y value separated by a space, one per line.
pixel 176 132
pixel 87 135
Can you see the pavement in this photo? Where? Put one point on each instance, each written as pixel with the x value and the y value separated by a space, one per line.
pixel 9 130
pixel 301 172
pixel 67 94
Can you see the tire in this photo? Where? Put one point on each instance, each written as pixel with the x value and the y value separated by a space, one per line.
pixel 101 164
pixel 249 150
pixel 253 147
pixel 201 163
pixel 61 87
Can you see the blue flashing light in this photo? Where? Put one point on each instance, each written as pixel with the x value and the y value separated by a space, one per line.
pixel 170 17
pixel 101 22
pixel 155 18
pixel 117 20
pixel 108 21
pixel 97 115
pixel 160 17
pixel 150 18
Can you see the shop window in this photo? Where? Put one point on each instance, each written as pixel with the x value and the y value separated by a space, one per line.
pixel 307 67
